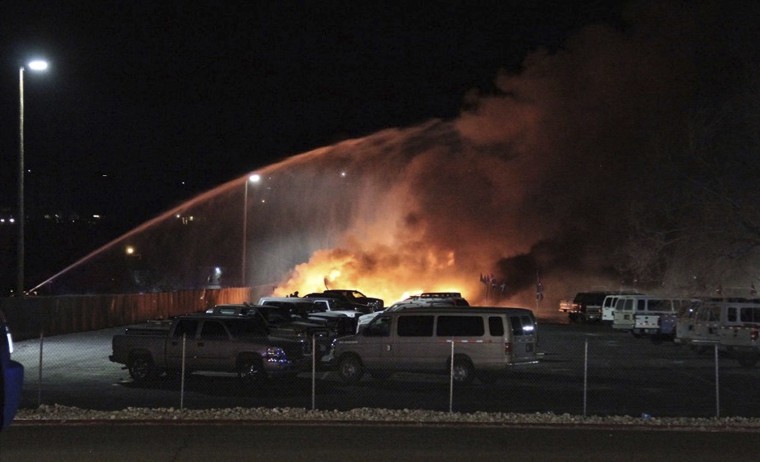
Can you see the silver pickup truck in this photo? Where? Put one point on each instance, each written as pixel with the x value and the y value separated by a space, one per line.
pixel 215 343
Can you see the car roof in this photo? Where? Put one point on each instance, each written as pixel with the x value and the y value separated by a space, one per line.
pixel 449 309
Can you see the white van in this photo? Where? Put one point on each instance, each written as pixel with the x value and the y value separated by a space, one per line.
pixel 648 319
pixel 731 323
pixel 486 341
pixel 608 306
pixel 640 314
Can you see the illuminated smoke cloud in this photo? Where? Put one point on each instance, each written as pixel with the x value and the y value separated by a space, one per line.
pixel 534 177
pixel 537 176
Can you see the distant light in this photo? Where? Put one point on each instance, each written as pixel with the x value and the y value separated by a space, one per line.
pixel 38 65
pixel 255 178
pixel 12 220
pixel 96 216
pixel 343 174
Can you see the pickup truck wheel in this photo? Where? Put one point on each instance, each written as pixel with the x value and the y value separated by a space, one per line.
pixel 251 371
pixel 463 371
pixel 350 369
pixel 141 368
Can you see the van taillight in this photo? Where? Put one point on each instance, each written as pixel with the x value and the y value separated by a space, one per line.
pixel 754 335
pixel 507 347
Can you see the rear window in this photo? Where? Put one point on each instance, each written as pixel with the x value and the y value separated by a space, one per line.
pixel 522 325
pixel 460 326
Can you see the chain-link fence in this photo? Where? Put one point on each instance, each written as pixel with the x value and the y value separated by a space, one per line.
pixel 582 370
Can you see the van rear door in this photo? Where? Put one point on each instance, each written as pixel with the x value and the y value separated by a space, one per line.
pixel 523 338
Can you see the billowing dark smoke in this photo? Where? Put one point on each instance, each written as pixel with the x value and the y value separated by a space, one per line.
pixel 593 166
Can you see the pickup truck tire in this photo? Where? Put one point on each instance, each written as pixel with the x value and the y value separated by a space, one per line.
pixel 350 369
pixel 251 371
pixel 141 368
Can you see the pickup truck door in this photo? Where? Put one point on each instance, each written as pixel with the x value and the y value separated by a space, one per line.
pixel 187 328
pixel 213 349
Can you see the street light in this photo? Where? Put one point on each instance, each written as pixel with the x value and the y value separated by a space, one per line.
pixel 36 65
pixel 254 178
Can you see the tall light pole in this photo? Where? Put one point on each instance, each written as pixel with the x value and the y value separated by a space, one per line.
pixel 35 65
pixel 254 178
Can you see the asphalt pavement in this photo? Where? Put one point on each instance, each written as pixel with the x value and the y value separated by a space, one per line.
pixel 146 441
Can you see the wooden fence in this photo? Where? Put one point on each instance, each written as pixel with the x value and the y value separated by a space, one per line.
pixel 30 317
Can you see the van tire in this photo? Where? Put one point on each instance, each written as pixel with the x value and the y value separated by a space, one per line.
pixel 350 369
pixel 463 371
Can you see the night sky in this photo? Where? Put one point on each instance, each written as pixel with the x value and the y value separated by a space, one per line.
pixel 149 103
pixel 602 142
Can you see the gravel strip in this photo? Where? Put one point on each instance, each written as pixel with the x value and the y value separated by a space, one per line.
pixel 57 413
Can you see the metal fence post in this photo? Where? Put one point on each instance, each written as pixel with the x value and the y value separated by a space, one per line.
pixel 313 372
pixel 585 376
pixel 451 379
pixel 182 375
pixel 717 384
pixel 39 374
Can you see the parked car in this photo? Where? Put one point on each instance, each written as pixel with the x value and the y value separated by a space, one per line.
pixel 426 299
pixel 281 322
pixel 355 296
pixel 486 342
pixel 207 342
pixel 731 324
pixel 327 312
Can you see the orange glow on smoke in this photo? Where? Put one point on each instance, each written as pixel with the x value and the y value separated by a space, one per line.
pixel 376 276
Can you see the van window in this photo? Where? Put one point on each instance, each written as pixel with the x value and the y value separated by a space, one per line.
pixel 415 326
pixel 624 304
pixel 641 305
pixel 731 314
pixel 381 327
pixel 459 326
pixel 521 325
pixel 495 326
pixel 750 314
pixel 528 325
